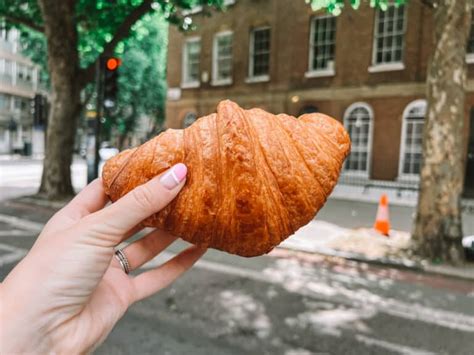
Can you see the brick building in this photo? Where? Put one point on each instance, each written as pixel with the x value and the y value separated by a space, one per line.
pixel 19 83
pixel 366 68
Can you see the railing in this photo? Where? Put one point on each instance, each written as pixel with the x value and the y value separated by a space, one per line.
pixel 400 185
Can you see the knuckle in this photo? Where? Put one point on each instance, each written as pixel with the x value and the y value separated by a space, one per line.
pixel 143 197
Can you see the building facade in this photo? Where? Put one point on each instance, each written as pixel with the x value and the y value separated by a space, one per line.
pixel 366 68
pixel 18 86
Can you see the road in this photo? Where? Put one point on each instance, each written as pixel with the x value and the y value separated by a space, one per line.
pixel 284 303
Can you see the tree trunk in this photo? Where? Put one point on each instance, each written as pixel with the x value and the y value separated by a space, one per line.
pixel 438 227
pixel 63 63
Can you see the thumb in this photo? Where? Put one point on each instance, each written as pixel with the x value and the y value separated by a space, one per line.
pixel 143 201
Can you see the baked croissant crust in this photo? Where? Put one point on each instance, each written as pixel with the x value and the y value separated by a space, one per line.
pixel 254 178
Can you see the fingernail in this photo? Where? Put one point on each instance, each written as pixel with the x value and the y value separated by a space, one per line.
pixel 174 176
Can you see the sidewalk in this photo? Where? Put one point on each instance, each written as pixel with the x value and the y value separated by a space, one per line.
pixel 366 245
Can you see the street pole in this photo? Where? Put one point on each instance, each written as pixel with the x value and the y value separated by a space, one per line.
pixel 93 157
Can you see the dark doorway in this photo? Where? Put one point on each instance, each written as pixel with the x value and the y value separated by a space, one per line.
pixel 469 178
pixel 308 109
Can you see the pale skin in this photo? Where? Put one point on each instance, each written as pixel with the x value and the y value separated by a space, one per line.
pixel 67 294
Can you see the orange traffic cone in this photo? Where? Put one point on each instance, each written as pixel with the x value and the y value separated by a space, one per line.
pixel 382 222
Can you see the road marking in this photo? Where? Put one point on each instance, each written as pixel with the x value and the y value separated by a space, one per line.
pixel 343 295
pixel 397 348
pixel 14 254
pixel 18 233
pixel 21 223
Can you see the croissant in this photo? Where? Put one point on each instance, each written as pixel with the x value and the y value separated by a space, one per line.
pixel 254 178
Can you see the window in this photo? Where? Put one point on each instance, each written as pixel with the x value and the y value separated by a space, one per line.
pixel 259 61
pixel 20 72
pixel 189 119
pixel 4 102
pixel 24 72
pixel 5 67
pixel 470 43
pixel 358 122
pixel 388 38
pixel 412 138
pixel 20 103
pixel 321 45
pixel 191 58
pixel 222 59
pixel 308 109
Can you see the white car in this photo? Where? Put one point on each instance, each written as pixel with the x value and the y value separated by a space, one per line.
pixel 468 245
pixel 106 151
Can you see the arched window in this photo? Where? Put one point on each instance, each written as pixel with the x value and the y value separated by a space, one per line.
pixel 308 109
pixel 412 138
pixel 358 120
pixel 189 119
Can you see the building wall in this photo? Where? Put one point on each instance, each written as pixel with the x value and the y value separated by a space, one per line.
pixel 387 92
pixel 18 86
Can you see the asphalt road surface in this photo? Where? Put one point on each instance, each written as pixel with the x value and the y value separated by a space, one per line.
pixel 284 303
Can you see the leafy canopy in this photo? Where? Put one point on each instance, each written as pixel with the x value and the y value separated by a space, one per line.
pixel 101 22
pixel 335 6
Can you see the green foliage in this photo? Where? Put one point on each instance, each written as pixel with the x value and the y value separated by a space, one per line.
pixel 33 45
pixel 142 75
pixel 335 6
pixel 142 84
pixel 99 20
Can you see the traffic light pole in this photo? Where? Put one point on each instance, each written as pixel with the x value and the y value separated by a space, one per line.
pixel 98 122
pixel 93 157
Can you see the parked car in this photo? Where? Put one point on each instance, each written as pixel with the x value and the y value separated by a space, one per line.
pixel 107 151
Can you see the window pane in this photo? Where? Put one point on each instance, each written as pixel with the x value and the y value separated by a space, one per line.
pixel 223 57
pixel 192 59
pixel 389 35
pixel 414 122
pixel 261 52
pixel 323 42
pixel 358 123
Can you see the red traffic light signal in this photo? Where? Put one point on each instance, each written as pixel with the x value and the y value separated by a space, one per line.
pixel 113 63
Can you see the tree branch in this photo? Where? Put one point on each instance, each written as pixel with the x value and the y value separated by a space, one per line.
pixel 87 74
pixel 23 21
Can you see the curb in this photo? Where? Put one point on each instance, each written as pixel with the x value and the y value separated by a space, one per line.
pixel 400 264
pixel 41 202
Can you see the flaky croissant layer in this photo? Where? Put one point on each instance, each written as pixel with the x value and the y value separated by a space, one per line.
pixel 254 178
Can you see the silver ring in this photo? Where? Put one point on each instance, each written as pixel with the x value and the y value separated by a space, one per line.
pixel 122 259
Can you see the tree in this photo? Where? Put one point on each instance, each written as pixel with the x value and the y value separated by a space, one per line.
pixel 438 226
pixel 77 33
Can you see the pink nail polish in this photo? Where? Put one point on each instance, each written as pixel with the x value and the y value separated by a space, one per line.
pixel 174 176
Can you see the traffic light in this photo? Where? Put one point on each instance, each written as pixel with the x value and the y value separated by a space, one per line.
pixel 40 111
pixel 110 68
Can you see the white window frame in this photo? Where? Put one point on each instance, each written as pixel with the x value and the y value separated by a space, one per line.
pixel 316 73
pixel 360 104
pixel 198 8
pixel 401 175
pixel 260 78
pixel 215 66
pixel 392 66
pixel 184 67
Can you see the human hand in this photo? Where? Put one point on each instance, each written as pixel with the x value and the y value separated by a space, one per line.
pixel 66 295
